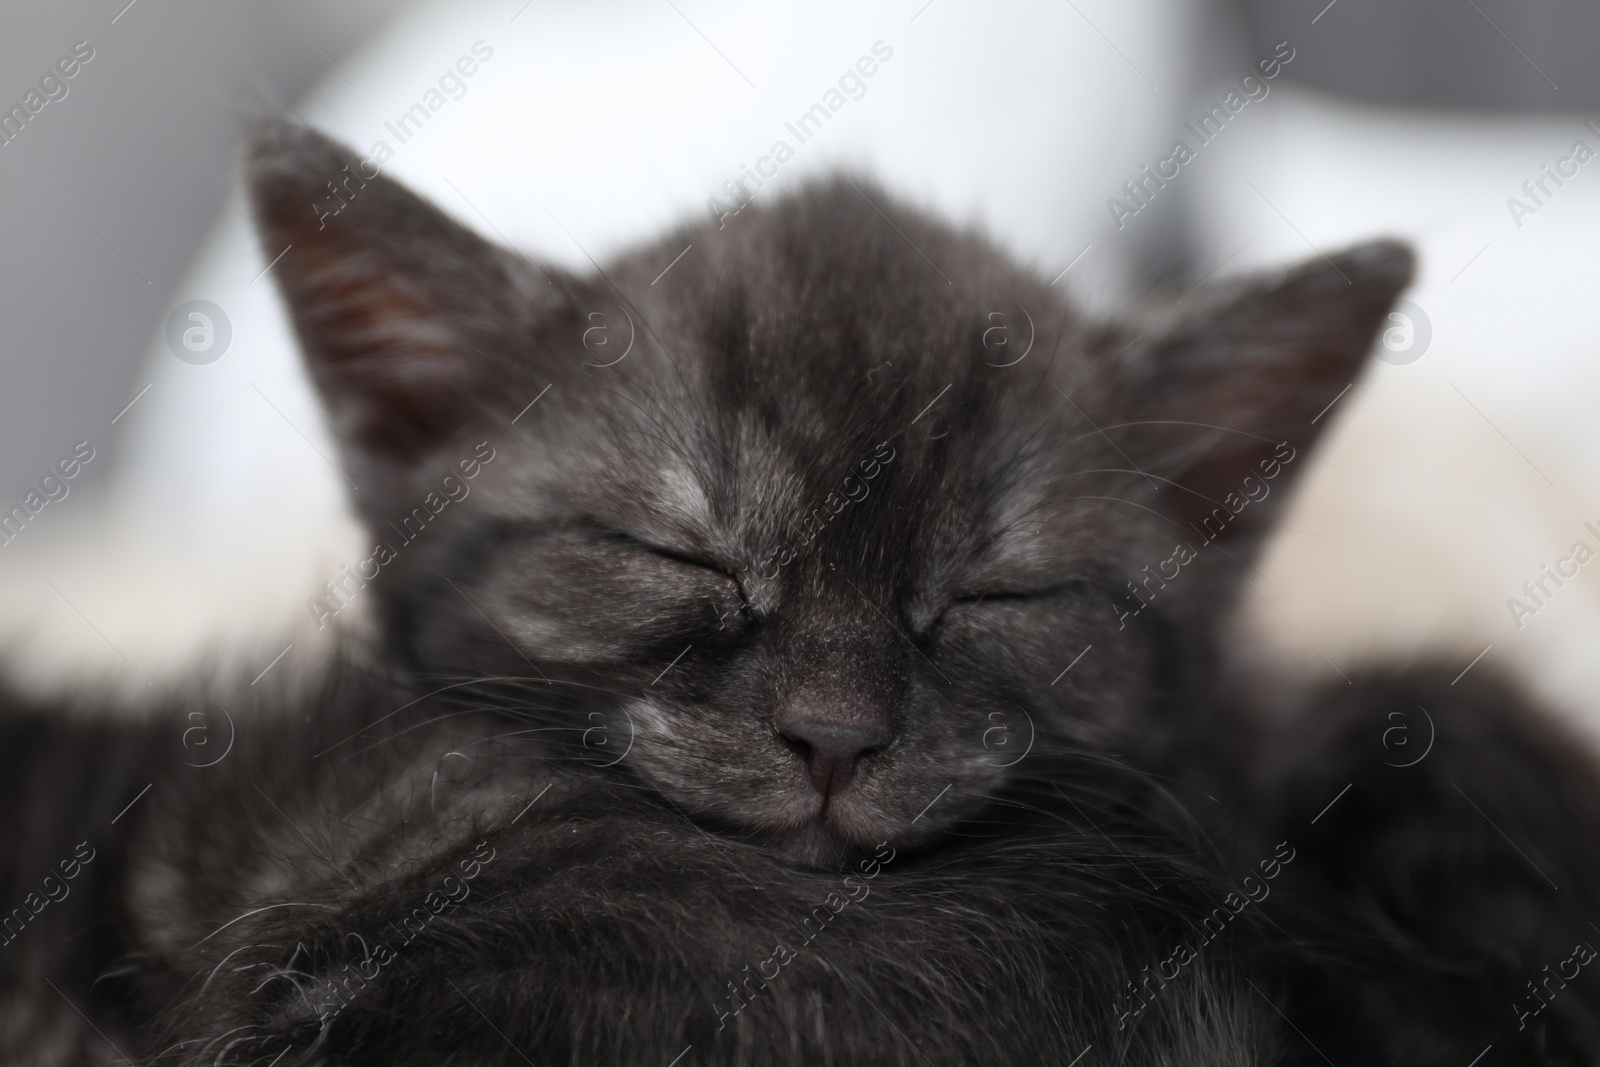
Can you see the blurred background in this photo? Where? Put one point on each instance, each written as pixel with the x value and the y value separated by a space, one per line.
pixel 1463 464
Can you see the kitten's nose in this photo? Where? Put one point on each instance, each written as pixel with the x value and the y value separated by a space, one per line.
pixel 833 751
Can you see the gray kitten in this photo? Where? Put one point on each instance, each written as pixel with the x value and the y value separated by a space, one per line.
pixel 809 654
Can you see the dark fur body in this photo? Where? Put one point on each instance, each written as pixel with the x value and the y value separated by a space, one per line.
pixel 564 823
pixel 604 927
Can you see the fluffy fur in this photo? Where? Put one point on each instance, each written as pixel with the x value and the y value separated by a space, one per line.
pixel 801 476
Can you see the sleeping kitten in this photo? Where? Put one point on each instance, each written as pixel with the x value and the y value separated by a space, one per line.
pixel 810 652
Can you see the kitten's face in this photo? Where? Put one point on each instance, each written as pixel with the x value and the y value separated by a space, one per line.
pixel 825 533
pixel 781 538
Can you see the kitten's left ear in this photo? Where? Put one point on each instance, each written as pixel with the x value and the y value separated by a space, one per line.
pixel 399 309
pixel 1225 401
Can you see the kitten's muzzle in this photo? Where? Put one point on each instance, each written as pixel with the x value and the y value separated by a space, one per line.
pixel 833 752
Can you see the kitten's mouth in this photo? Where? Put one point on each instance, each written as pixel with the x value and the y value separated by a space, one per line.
pixel 830 838
pixel 823 829
pixel 826 797
pixel 834 804
pixel 828 817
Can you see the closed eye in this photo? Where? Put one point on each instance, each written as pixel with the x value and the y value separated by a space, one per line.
pixel 1067 587
pixel 1014 596
pixel 677 555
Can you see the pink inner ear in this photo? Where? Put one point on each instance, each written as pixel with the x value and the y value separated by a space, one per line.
pixel 1264 367
pixel 377 344
pixel 386 294
pixel 1229 489
pixel 1274 410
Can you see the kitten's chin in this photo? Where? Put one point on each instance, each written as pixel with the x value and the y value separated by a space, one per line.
pixel 796 823
pixel 819 845
pixel 830 835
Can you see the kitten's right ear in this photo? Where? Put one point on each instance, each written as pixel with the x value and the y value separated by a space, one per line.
pixel 1224 398
pixel 399 309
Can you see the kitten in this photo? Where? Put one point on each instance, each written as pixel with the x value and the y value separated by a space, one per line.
pixel 810 652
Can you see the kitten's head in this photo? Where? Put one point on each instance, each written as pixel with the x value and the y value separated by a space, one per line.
pixel 823 522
